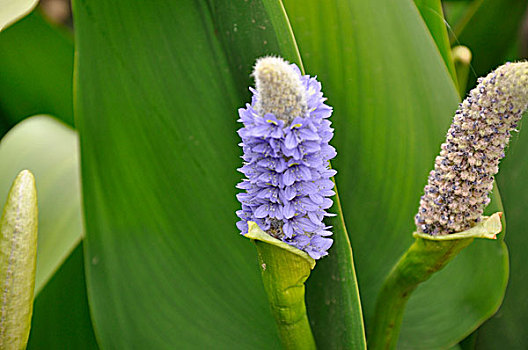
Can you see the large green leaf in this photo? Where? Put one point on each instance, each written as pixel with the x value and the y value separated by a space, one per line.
pixel 156 108
pixel 248 30
pixel 507 329
pixel 61 317
pixel 49 150
pixel 333 297
pixel 393 100
pixel 489 32
pixel 433 16
pixel 12 10
pixel 331 302
pixel 36 71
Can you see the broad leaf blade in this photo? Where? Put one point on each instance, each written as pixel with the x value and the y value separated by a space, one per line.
pixel 61 317
pixel 156 108
pixel 36 71
pixel 489 33
pixel 332 294
pixel 507 328
pixel 240 21
pixel 393 101
pixel 250 30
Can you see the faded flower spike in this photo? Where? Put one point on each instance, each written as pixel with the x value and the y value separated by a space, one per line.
pixel 458 187
pixel 286 157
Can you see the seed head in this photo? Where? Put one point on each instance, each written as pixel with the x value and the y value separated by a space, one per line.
pixel 458 188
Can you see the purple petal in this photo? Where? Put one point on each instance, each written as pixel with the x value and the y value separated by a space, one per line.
pixel 307 134
pixel 321 243
pixel 308 204
pixel 242 226
pixel 290 141
pixel 288 211
pixel 288 177
pixel 314 254
pixel 302 240
pixel 262 211
pixel 317 198
pixel 287 229
pixel 311 146
pixel 259 130
pixel 327 203
pixel 290 193
pixel 314 217
pixel 308 187
pixel 304 173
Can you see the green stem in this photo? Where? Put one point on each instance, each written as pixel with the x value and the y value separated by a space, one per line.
pixel 284 274
pixel 462 59
pixel 284 271
pixel 417 265
pixel 427 255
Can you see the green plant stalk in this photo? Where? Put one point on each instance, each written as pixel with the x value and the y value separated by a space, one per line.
pixel 18 252
pixel 462 60
pixel 427 255
pixel 417 265
pixel 284 270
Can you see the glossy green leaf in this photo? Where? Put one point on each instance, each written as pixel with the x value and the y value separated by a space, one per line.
pixel 36 71
pixel 456 12
pixel 61 317
pixel 433 16
pixel 332 294
pixel 18 252
pixel 157 109
pixel 12 10
pixel 248 30
pixel 49 149
pixel 240 21
pixel 393 100
pixel 506 329
pixel 489 32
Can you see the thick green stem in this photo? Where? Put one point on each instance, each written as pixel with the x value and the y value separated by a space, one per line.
pixel 424 257
pixel 417 265
pixel 284 274
pixel 284 271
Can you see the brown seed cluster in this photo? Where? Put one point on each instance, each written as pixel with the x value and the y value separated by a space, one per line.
pixel 458 188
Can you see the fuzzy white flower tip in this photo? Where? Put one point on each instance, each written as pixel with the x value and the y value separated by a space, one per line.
pixel 279 89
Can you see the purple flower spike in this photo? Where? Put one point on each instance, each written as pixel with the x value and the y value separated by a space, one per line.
pixel 286 158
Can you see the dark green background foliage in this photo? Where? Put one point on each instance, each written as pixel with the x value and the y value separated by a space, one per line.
pixel 154 94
